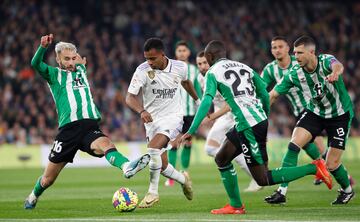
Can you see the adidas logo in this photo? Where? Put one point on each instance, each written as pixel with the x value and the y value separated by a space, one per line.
pixel 153 82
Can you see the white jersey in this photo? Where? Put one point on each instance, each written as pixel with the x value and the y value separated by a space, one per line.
pixel 218 101
pixel 161 88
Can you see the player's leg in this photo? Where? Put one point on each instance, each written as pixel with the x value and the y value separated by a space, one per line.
pixel 172 157
pixel 154 149
pixel 51 172
pixel 97 144
pixel 337 129
pixel 102 146
pixel 186 150
pixel 217 135
pixel 223 158
pixel 300 138
pixel 319 142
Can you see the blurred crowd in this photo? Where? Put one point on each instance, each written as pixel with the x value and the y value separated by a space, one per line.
pixel 111 35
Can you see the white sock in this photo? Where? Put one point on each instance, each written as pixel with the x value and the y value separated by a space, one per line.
pixel 282 190
pixel 32 197
pixel 172 173
pixel 155 168
pixel 211 150
pixel 348 189
pixel 241 161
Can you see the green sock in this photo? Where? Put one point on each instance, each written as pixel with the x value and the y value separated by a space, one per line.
pixel 341 176
pixel 290 159
pixel 185 157
pixel 172 155
pixel 312 150
pixel 287 174
pixel 115 158
pixel 229 179
pixel 38 189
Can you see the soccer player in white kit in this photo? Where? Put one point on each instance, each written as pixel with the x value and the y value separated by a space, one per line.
pixel 160 79
pixel 224 121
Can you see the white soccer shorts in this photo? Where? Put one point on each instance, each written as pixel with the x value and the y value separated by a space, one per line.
pixel 169 126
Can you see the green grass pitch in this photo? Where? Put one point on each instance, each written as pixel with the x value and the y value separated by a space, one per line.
pixel 85 195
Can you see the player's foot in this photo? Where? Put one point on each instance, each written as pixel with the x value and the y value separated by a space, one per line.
pixel 229 210
pixel 253 186
pixel 322 172
pixel 132 167
pixel 187 187
pixel 343 198
pixel 169 183
pixel 317 181
pixel 30 202
pixel 276 198
pixel 149 200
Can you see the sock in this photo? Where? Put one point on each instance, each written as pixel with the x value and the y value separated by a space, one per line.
pixel 115 158
pixel 341 176
pixel 38 188
pixel 172 173
pixel 172 156
pixel 287 174
pixel 290 160
pixel 211 150
pixel 324 154
pixel 155 168
pixel 229 179
pixel 185 157
pixel 312 150
pixel 242 163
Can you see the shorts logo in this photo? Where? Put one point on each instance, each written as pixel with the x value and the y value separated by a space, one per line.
pixel 254 148
pixel 151 74
pixel 245 152
pixel 97 132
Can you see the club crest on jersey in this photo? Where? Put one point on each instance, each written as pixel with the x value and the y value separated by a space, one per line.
pixel 151 74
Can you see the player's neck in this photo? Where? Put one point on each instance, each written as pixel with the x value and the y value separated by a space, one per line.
pixel 285 62
pixel 312 65
pixel 165 63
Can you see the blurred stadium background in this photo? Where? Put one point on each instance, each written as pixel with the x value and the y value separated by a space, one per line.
pixel 111 35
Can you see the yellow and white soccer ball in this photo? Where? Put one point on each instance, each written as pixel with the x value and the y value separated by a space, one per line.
pixel 125 200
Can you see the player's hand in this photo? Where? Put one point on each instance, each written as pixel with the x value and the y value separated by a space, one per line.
pixel 184 137
pixel 80 60
pixel 146 117
pixel 46 40
pixel 333 77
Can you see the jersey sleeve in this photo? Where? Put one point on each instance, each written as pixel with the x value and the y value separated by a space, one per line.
pixel 210 85
pixel 137 82
pixel 197 86
pixel 261 91
pixel 267 77
pixel 285 85
pixel 328 61
pixel 81 67
pixel 49 73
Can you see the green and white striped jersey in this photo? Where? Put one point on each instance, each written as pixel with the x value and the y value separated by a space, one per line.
pixel 243 90
pixel 273 74
pixel 327 100
pixel 70 90
pixel 189 107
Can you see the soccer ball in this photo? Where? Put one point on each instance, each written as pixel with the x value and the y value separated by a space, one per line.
pixel 125 200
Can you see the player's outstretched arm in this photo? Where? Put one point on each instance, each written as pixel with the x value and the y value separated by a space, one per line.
pixel 189 87
pixel 37 61
pixel 337 69
pixel 134 104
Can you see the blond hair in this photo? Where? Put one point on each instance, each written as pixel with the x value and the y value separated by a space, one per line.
pixel 60 46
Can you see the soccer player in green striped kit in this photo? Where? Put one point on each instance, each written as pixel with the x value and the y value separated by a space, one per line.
pixel 330 108
pixel 78 118
pixel 182 53
pixel 245 92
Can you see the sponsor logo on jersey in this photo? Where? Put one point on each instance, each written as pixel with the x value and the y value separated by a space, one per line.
pixel 78 82
pixel 164 93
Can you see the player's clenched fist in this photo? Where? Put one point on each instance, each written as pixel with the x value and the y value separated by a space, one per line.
pixel 46 40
